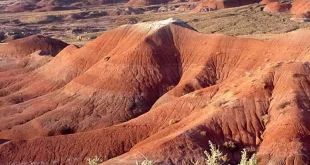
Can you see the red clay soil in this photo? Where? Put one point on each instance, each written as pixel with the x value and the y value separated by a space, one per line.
pixel 300 9
pixel 25 46
pixel 275 7
pixel 267 1
pixel 163 90
pixel 300 6
pixel 302 17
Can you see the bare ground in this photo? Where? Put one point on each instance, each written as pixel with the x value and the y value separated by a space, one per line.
pixel 240 21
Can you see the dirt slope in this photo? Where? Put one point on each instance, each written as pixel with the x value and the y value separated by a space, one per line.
pixel 164 90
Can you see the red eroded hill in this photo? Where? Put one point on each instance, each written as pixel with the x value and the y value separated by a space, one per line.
pixel 274 7
pixel 299 8
pixel 208 5
pixel 25 46
pixel 164 90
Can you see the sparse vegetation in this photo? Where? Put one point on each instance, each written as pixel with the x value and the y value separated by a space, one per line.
pixel 107 58
pixel 283 105
pixel 94 161
pixel 172 121
pixel 230 145
pixel 205 65
pixel 145 161
pixel 245 161
pixel 250 149
pixel 277 65
pixel 265 119
pixel 248 74
pixel 203 133
pixel 216 157
pixel 220 103
pixel 219 21
pixel 198 93
pixel 170 88
pixel 225 91
pixel 297 75
pixel 270 99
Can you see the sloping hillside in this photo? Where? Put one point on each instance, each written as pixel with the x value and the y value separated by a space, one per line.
pixel 164 90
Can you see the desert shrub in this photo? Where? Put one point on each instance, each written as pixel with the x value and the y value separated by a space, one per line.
pixel 107 58
pixel 172 121
pixel 203 133
pixel 194 163
pixel 265 119
pixel 277 65
pixel 220 103
pixel 250 149
pixel 215 157
pixel 170 88
pixel 145 161
pixel 298 75
pixel 94 161
pixel 248 74
pixel 225 91
pixel 283 105
pixel 187 89
pixel 245 161
pixel 199 93
pixel 230 145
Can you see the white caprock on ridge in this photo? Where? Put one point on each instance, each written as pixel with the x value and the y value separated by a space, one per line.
pixel 155 25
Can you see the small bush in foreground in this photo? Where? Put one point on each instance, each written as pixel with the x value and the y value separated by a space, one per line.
pixel 216 157
pixel 145 161
pixel 94 161
pixel 244 160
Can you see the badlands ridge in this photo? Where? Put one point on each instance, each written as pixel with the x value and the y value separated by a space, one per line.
pixel 157 88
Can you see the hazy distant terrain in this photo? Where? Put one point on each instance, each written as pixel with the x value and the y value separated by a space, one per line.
pixel 78 26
